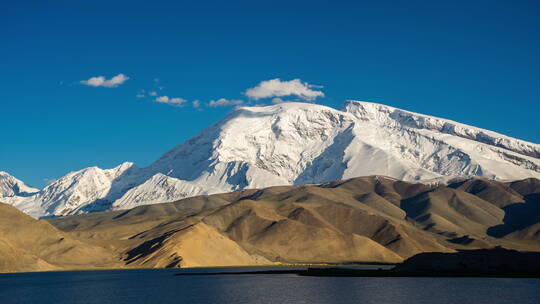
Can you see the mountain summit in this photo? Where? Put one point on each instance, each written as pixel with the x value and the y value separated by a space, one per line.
pixel 11 186
pixel 294 143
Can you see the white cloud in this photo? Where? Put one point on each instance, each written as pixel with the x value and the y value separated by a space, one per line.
pixel 223 102
pixel 162 99
pixel 177 101
pixel 140 95
pixel 101 81
pixel 279 88
pixel 152 93
pixel 196 104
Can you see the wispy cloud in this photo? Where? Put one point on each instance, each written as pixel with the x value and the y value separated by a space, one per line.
pixel 177 101
pixel 196 104
pixel 223 102
pixel 153 93
pixel 279 88
pixel 101 81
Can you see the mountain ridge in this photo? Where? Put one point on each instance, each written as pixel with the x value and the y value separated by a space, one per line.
pixel 294 143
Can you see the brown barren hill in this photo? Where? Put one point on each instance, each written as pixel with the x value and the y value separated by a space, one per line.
pixel 365 219
pixel 27 244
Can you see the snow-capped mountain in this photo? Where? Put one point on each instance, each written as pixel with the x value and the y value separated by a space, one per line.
pixel 87 190
pixel 295 143
pixel 11 186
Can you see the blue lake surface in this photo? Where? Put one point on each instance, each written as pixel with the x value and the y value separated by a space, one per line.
pixel 161 286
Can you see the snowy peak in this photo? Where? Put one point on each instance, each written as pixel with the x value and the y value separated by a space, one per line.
pixel 120 170
pixel 256 146
pixel 11 186
pixel 86 190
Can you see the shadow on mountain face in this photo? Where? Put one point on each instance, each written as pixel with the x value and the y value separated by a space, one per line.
pixel 518 216
pixel 119 185
pixel 499 194
pixel 329 165
pixel 464 240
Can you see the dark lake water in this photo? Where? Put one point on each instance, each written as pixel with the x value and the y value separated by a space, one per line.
pixel 161 286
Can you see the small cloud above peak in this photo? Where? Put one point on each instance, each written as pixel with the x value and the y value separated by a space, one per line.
pixel 176 101
pixel 101 81
pixel 223 102
pixel 279 88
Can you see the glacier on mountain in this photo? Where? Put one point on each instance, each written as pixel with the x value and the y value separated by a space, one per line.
pixel 293 143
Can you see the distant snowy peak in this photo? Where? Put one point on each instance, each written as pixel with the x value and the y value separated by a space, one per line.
pixel 86 190
pixel 11 186
pixel 90 188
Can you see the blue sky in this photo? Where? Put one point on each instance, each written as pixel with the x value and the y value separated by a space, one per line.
pixel 476 62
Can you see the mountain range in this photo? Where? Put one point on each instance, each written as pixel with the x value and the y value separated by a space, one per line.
pixel 363 219
pixel 288 144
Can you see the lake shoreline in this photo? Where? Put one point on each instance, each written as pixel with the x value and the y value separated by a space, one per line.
pixel 348 272
pixel 482 263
